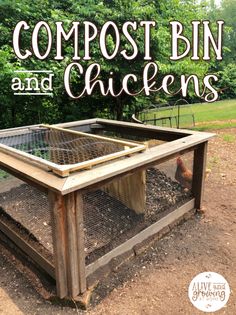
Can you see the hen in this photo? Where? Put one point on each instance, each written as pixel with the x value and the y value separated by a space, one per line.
pixel 183 175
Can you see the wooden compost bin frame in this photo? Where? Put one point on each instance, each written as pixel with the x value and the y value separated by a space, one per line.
pixel 66 204
pixel 65 170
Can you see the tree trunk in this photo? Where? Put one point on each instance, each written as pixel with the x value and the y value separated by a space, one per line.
pixel 13 115
pixel 119 108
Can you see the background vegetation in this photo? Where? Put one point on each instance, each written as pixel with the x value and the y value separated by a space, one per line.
pixel 24 110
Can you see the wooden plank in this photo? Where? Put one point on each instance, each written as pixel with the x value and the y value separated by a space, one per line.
pixel 9 133
pixel 140 237
pixel 150 131
pixel 143 133
pixel 75 244
pixel 199 168
pixel 41 176
pixel 90 135
pixel 76 123
pixel 30 173
pixel 30 158
pixel 68 240
pixel 71 247
pixel 64 170
pixel 137 126
pixel 59 242
pixel 80 240
pixel 153 143
pixel 26 180
pixel 2 131
pixel 67 169
pixel 153 155
pixel 121 124
pixel 45 264
pixel 81 125
pixel 130 190
pixel 97 127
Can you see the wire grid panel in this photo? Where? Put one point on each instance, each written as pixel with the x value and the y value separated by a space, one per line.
pixel 25 210
pixel 106 219
pixel 109 220
pixel 59 147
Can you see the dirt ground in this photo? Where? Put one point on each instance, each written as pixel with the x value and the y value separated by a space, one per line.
pixel 157 281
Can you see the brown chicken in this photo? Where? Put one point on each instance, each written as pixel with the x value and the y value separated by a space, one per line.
pixel 183 175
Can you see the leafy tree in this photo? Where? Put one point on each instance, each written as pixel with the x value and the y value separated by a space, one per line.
pixel 228 14
pixel 228 81
pixel 226 68
pixel 21 110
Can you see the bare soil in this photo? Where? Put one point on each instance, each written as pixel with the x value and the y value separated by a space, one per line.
pixel 157 281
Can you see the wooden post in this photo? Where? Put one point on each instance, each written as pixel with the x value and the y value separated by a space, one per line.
pixel 199 166
pixel 59 242
pixel 68 240
pixel 72 255
pixel 80 240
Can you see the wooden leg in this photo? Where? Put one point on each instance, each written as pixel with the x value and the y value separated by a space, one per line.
pixel 199 167
pixel 80 242
pixel 59 242
pixel 72 256
pixel 68 238
pixel 75 249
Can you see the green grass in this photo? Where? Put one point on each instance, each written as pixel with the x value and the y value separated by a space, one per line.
pixel 207 115
pixel 224 125
pixel 222 110
pixel 3 175
pixel 229 138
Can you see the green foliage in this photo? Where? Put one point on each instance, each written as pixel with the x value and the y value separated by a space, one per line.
pixel 229 138
pixel 204 112
pixel 226 68
pixel 228 14
pixel 3 175
pixel 24 110
pixel 228 80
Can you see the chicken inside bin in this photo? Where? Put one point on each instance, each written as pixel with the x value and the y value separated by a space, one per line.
pixel 183 175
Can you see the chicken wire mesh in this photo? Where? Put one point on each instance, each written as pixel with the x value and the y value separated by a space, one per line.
pixel 25 210
pixel 57 146
pixel 109 219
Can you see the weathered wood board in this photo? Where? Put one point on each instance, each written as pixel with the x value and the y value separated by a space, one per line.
pixel 131 190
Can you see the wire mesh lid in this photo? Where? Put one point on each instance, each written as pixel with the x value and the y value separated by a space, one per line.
pixel 63 147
